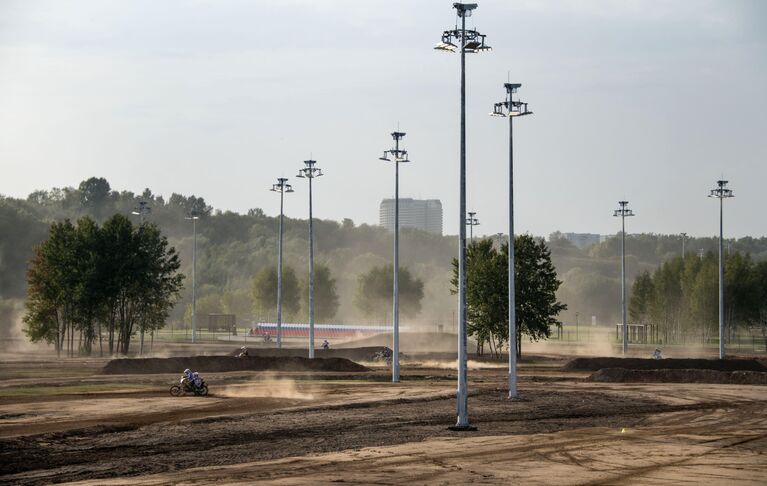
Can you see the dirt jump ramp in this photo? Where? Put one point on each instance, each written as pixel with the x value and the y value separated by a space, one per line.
pixel 595 364
pixel 211 364
pixel 621 375
pixel 365 353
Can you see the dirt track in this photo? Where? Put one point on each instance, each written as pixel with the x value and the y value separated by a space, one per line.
pixel 274 429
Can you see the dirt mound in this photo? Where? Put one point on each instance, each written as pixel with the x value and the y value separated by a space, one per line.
pixel 594 364
pixel 414 342
pixel 210 364
pixel 366 353
pixel 622 375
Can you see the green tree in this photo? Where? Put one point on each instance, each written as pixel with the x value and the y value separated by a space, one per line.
pixel 374 292
pixel 94 192
pixel 325 295
pixel 238 302
pixel 264 290
pixel 536 285
pixel 81 277
pixel 642 293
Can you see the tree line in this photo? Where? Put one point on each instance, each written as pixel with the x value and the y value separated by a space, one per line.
pixel 681 297
pixel 88 284
pixel 234 247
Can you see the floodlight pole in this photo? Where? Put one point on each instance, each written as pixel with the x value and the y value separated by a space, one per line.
pixel 310 172
pixel 477 41
pixel 471 221
pixel 193 217
pixel 623 212
pixel 721 192
pixel 684 237
pixel 140 210
pixel 399 157
pixel 511 108
pixel 463 388
pixel 282 187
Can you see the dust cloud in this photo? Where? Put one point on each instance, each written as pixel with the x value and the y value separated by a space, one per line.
pixel 267 385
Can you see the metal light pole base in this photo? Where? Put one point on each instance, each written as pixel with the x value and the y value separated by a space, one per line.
pixel 517 399
pixel 462 428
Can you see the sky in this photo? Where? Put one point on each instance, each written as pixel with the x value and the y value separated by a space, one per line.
pixel 649 101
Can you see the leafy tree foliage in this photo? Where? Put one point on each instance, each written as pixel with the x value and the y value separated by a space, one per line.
pixel 375 292
pixel 536 285
pixel 85 279
pixel 265 293
pixel 325 294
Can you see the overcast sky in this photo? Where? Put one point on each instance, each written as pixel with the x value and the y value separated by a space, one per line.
pixel 651 101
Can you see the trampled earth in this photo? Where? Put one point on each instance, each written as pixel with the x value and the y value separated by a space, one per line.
pixel 76 424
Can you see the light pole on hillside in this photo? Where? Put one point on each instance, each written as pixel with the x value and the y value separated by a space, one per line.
pixel 721 192
pixel 623 211
pixel 684 239
pixel 282 187
pixel 310 171
pixel 193 218
pixel 471 222
pixel 400 156
pixel 511 108
pixel 470 41
pixel 141 210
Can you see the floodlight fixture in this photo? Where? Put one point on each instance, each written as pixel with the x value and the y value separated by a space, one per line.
pixel 142 210
pixel 471 222
pixel 511 107
pixel 721 192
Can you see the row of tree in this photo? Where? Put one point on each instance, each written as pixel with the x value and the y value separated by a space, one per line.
pixel 681 298
pixel 87 283
pixel 373 296
pixel 487 286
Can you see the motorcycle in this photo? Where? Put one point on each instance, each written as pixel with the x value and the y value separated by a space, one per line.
pixel 185 386
pixel 385 355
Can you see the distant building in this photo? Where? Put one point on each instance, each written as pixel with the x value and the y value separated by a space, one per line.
pixel 580 240
pixel 422 214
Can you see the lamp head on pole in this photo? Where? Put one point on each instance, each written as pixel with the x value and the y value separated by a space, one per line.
pixel 282 186
pixel 623 210
pixel 399 155
pixel 310 171
pixel 142 208
pixel 721 191
pixel 474 42
pixel 511 107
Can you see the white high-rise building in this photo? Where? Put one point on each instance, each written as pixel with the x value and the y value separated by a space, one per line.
pixel 422 214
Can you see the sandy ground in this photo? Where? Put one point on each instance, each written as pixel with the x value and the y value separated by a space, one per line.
pixel 315 428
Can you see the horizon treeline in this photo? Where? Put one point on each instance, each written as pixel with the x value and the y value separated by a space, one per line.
pixel 232 248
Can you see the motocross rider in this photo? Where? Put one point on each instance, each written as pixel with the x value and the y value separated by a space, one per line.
pixel 193 378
